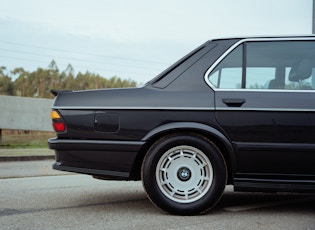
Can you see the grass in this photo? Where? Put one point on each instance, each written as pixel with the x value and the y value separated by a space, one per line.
pixel 25 140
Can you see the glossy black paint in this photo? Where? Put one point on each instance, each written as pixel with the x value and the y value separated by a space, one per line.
pixel 266 137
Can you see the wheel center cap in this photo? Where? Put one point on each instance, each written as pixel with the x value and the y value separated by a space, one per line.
pixel 184 174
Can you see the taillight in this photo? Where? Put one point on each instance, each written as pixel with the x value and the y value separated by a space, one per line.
pixel 57 122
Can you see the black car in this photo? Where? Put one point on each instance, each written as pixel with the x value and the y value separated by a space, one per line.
pixel 237 111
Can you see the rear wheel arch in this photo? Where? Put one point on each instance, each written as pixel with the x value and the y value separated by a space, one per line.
pixel 212 134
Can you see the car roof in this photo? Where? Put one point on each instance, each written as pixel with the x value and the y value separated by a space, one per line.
pixel 265 36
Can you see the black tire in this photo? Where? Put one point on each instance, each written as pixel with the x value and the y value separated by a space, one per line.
pixel 184 174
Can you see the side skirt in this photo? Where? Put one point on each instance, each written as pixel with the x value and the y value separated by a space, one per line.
pixel 274 185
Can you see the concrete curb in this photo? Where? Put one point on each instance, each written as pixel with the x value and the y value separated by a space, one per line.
pixel 26 158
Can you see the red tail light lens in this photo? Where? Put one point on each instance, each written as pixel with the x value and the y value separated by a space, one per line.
pixel 59 127
pixel 57 122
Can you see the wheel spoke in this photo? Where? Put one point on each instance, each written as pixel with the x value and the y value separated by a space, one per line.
pixel 173 193
pixel 163 169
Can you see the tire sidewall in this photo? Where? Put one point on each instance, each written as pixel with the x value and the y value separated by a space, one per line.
pixel 151 185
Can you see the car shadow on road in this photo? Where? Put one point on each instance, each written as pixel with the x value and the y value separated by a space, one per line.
pixel 249 201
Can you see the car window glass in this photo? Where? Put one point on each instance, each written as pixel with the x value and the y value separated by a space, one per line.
pixel 287 65
pixel 257 77
pixel 305 84
pixel 292 62
pixel 227 78
pixel 228 73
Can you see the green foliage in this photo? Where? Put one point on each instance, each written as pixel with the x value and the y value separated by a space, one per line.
pixel 6 85
pixel 39 82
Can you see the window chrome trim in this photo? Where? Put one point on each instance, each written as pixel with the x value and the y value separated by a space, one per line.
pixel 228 51
pixel 185 108
pixel 264 109
pixel 268 90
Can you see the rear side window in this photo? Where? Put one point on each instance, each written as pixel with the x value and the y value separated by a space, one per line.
pixel 228 74
pixel 286 65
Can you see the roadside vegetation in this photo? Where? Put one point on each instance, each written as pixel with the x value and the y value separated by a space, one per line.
pixel 39 82
pixel 14 139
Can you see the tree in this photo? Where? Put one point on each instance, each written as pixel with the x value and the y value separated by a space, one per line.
pixel 39 82
pixel 6 85
pixel 21 83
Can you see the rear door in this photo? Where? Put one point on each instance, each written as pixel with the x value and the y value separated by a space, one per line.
pixel 265 101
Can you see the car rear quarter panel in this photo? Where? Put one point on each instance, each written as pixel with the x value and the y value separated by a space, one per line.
pixel 179 101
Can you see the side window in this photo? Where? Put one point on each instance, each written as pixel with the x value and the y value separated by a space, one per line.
pixel 262 66
pixel 259 77
pixel 300 84
pixel 287 65
pixel 228 73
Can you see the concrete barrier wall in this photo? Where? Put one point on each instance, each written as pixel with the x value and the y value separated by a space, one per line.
pixel 25 113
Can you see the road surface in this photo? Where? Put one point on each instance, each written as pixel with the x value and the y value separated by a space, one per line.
pixel 75 201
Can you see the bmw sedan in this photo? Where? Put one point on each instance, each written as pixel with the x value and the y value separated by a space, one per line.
pixel 237 111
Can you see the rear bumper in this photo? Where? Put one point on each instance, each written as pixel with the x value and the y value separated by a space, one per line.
pixel 112 159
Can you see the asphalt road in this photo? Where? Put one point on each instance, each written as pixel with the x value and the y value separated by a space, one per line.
pixel 81 202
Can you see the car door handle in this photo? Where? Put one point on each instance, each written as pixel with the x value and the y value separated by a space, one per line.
pixel 233 102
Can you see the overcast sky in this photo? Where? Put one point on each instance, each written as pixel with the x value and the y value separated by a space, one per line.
pixel 134 39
